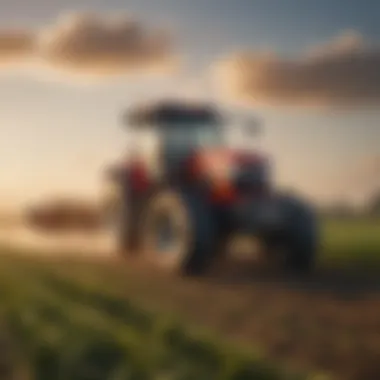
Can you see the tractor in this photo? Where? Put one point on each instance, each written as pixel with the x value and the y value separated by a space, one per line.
pixel 186 195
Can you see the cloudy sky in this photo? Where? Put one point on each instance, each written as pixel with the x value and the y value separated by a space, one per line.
pixel 68 68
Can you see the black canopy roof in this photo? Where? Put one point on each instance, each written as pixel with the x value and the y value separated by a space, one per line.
pixel 172 112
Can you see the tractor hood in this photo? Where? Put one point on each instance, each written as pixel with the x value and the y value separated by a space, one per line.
pixel 234 165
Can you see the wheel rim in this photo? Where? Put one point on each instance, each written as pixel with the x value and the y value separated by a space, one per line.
pixel 167 235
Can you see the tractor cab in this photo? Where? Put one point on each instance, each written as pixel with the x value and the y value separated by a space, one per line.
pixel 168 133
pixel 170 136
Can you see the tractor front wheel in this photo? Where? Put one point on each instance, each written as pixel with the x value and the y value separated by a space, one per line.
pixel 178 232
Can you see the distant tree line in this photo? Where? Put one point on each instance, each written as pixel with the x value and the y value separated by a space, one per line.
pixel 346 210
pixel 374 205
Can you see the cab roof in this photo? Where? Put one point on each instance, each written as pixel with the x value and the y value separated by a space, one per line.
pixel 169 112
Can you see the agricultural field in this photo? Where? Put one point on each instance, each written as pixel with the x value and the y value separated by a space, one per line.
pixel 55 327
pixel 75 317
pixel 351 243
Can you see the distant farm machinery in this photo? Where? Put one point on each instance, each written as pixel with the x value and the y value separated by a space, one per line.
pixel 65 216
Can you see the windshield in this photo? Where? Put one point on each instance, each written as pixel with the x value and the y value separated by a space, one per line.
pixel 197 135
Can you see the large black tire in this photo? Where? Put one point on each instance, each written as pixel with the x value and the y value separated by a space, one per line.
pixel 301 240
pixel 191 250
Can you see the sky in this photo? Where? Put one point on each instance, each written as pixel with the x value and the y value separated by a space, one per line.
pixel 308 69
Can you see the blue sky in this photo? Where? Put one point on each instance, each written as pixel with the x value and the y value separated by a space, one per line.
pixel 55 136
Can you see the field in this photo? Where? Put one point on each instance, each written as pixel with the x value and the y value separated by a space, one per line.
pixel 67 317
pixel 55 327
pixel 352 243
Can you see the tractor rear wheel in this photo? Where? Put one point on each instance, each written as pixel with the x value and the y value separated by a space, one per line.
pixel 178 232
pixel 302 238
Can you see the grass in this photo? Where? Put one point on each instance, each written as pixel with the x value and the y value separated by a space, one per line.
pixel 81 330
pixel 351 243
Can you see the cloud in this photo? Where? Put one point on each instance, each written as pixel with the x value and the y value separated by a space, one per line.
pixel 91 44
pixel 344 71
pixel 15 45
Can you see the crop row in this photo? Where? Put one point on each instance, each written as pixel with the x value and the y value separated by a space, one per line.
pixel 64 329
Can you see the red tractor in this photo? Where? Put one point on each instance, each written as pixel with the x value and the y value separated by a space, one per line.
pixel 184 199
